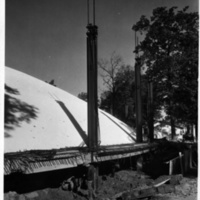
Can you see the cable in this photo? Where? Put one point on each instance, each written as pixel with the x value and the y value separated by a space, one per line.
pixel 93 12
pixel 88 12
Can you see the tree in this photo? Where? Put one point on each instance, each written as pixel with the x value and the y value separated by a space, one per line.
pixel 83 96
pixel 109 70
pixel 170 52
pixel 16 111
pixel 51 82
pixel 124 95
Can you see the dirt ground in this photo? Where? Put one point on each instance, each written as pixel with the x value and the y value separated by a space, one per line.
pixel 125 185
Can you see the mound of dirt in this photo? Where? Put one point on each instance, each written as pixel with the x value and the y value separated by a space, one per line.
pixel 124 185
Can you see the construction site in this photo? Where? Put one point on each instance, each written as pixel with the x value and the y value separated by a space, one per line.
pixel 52 138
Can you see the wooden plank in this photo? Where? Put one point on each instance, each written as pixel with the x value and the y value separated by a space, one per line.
pixel 161 182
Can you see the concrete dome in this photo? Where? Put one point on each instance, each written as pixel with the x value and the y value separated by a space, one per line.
pixel 35 119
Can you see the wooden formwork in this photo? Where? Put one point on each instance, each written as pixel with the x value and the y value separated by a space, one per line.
pixel 29 162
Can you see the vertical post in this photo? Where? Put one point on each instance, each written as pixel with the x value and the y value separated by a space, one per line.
pixel 94 12
pixel 150 112
pixel 92 87
pixel 93 122
pixel 181 162
pixel 196 131
pixel 138 100
pixel 170 167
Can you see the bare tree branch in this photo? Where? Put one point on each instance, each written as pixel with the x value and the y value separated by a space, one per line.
pixel 109 69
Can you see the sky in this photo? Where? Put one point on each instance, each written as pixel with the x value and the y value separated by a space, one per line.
pixel 47 38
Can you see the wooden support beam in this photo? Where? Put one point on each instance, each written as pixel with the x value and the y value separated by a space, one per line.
pixel 138 100
pixel 92 87
pixel 171 163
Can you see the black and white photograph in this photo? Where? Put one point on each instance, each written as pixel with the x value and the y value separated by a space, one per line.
pixel 100 99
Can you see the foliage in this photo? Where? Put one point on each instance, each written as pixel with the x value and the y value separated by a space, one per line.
pixel 83 96
pixel 16 111
pixel 52 82
pixel 170 52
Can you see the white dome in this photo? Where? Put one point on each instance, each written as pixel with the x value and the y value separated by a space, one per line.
pixel 35 120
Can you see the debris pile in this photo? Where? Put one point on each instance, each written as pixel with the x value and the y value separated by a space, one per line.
pixel 124 185
pixel 132 185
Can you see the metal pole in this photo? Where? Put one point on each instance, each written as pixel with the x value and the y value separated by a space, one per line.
pixel 93 12
pixel 88 12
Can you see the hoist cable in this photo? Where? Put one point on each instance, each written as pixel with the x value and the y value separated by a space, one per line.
pixel 93 12
pixel 88 12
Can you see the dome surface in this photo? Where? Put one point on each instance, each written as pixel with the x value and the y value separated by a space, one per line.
pixel 39 116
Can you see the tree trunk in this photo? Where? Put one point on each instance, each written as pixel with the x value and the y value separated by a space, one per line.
pixel 113 103
pixel 188 130
pixel 192 132
pixel 173 131
pixel 196 131
pixel 111 110
pixel 150 112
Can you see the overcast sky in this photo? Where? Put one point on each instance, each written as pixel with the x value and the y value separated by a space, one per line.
pixel 47 38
